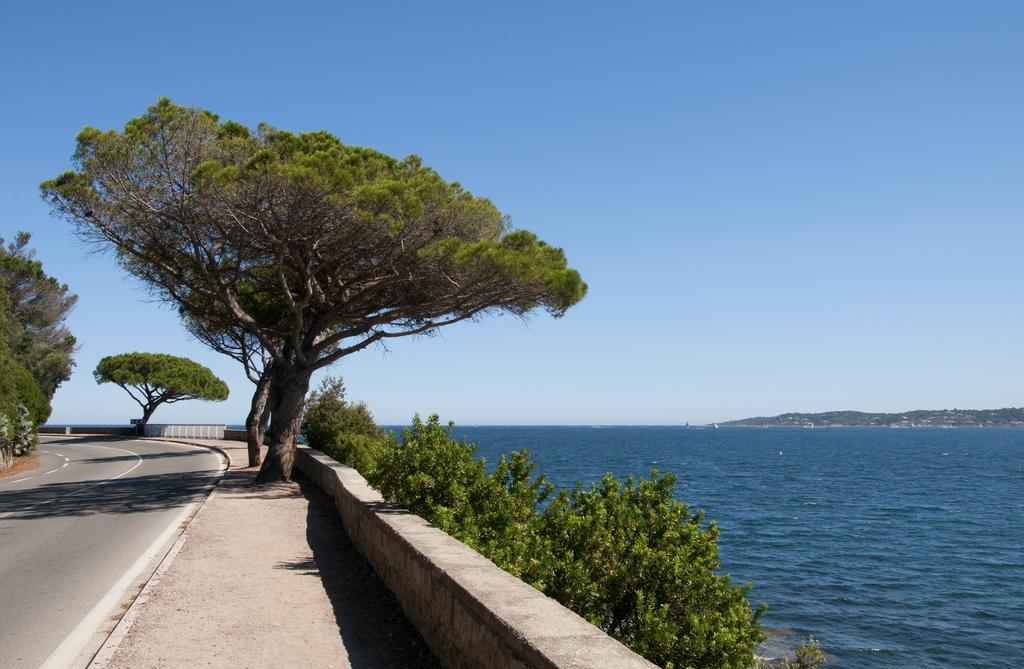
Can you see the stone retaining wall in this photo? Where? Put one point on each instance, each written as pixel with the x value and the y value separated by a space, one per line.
pixel 123 431
pixel 46 429
pixel 470 612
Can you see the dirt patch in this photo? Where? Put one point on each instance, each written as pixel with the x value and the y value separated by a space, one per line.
pixel 22 464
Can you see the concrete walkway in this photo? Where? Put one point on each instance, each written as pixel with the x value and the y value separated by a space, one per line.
pixel 266 577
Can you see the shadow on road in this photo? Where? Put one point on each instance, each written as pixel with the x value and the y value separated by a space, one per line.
pixel 127 495
pixel 373 628
pixel 148 455
pixel 60 439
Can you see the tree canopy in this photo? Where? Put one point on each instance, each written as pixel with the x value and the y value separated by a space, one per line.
pixel 35 307
pixel 316 248
pixel 152 379
pixel 36 346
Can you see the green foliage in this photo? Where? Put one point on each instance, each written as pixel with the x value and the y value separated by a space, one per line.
pixel 441 479
pixel 30 396
pixel 152 379
pixel 625 555
pixel 344 199
pixel 343 430
pixel 19 388
pixel 35 346
pixel 644 571
pixel 177 375
pixel 33 310
pixel 6 452
pixel 315 248
pixel 17 435
pixel 808 656
pixel 23 432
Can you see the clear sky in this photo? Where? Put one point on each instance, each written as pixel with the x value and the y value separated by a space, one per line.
pixel 778 206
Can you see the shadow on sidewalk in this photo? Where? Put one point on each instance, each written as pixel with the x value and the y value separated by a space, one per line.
pixel 373 628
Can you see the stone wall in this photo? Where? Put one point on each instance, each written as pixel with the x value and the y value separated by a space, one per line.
pixel 46 429
pixel 470 612
pixel 122 431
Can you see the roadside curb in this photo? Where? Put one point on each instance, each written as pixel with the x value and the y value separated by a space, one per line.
pixel 106 651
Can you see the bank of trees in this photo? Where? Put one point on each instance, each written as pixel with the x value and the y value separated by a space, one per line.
pixel 154 379
pixel 36 347
pixel 311 248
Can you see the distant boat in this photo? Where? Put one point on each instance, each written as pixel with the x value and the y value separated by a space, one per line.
pixel 716 425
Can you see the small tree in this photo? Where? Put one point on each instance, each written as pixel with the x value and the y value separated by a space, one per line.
pixel 152 379
pixel 36 307
pixel 344 430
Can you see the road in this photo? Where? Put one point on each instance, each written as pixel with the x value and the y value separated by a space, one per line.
pixel 81 534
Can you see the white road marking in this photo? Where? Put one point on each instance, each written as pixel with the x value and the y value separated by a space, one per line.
pixel 73 644
pixel 128 471
pixel 65 464
pixel 94 485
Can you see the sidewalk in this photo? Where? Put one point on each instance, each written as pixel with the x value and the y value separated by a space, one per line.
pixel 267 577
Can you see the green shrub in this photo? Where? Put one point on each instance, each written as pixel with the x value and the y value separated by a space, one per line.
pixel 808 656
pixel 23 432
pixel 441 479
pixel 342 430
pixel 6 451
pixel 643 569
pixel 624 555
pixel 17 435
pixel 18 386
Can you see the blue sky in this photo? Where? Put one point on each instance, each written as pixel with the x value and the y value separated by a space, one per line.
pixel 777 206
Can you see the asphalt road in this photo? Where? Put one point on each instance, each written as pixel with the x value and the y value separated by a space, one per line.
pixel 82 533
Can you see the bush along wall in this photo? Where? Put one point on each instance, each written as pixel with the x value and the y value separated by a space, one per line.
pixel 624 554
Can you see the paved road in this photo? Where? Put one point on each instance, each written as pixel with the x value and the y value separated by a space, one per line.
pixel 82 533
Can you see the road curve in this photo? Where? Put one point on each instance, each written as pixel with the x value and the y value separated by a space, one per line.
pixel 82 533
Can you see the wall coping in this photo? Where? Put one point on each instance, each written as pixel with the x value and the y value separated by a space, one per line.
pixel 518 620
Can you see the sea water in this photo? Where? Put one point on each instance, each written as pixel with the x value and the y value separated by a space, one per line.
pixel 893 547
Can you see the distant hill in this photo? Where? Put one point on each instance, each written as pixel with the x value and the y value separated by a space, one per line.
pixel 922 418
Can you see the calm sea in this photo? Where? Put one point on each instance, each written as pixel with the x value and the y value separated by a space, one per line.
pixel 895 548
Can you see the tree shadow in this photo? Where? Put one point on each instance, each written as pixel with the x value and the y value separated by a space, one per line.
pixel 128 458
pixel 373 628
pixel 126 495
pixel 60 439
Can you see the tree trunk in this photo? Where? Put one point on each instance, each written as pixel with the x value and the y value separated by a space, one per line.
pixel 264 421
pixel 287 398
pixel 147 413
pixel 256 421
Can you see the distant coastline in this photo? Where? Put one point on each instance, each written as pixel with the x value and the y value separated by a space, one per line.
pixel 1007 417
